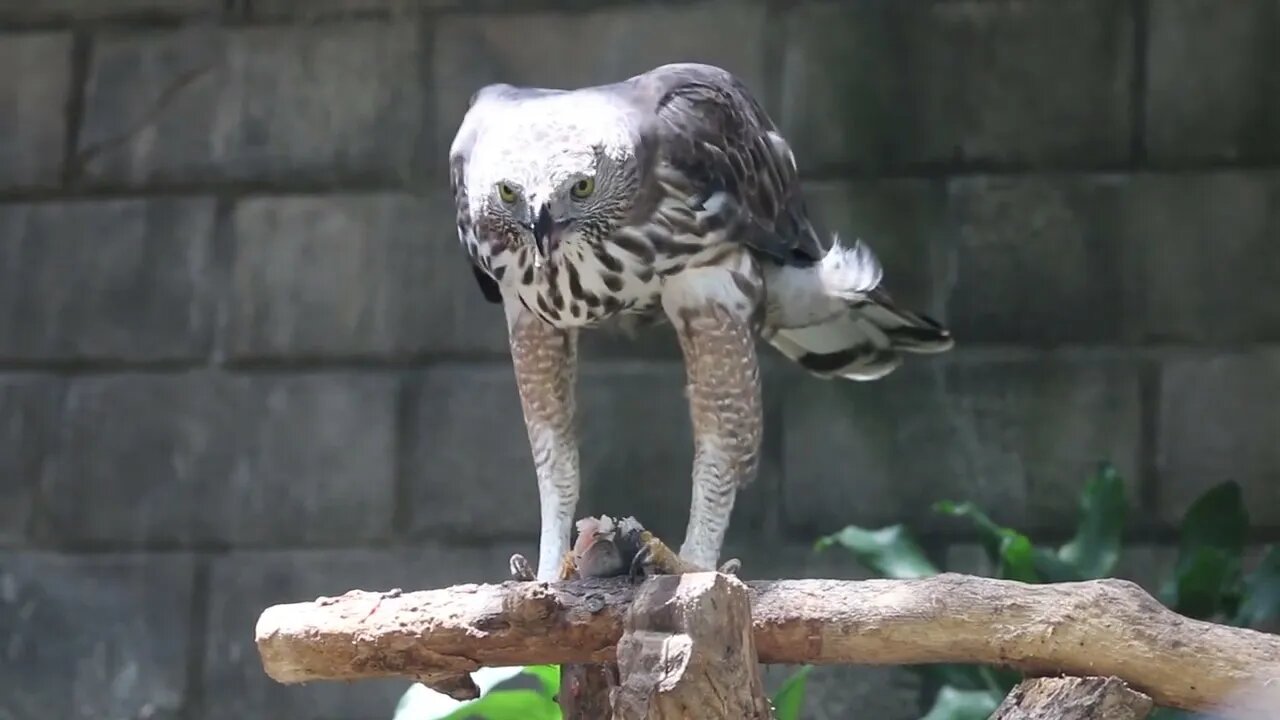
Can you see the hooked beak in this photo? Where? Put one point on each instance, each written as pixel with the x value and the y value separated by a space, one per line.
pixel 546 233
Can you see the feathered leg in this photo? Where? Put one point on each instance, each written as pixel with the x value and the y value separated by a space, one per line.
pixel 545 360
pixel 714 311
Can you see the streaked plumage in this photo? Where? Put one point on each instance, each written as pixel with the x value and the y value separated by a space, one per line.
pixel 667 196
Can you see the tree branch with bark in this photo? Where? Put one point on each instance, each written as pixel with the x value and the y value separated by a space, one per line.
pixel 1100 628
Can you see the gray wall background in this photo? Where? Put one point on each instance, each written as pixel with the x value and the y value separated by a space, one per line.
pixel 242 360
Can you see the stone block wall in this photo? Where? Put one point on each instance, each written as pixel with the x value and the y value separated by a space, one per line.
pixel 242 360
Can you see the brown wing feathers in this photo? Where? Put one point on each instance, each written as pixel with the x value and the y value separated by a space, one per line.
pixel 714 132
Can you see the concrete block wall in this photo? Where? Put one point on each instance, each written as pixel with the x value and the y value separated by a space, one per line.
pixel 242 361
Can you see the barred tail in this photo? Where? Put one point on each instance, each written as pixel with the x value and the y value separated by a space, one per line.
pixel 865 343
pixel 835 319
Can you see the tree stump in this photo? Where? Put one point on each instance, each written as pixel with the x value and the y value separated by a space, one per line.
pixel 687 651
pixel 586 690
pixel 1074 698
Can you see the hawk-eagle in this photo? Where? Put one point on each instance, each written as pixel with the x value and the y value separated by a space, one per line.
pixel 667 196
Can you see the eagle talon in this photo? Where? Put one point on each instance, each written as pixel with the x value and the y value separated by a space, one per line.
pixel 521 570
pixel 731 566
pixel 640 565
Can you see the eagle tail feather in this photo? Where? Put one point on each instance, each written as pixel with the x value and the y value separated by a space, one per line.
pixel 866 333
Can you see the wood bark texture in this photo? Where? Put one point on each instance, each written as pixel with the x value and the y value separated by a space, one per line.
pixel 1074 698
pixel 687 651
pixel 1095 628
pixel 586 690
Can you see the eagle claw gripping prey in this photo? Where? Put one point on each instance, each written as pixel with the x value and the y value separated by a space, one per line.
pixel 669 196
pixel 609 548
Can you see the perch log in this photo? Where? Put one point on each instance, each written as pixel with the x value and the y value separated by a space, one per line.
pixel 586 690
pixel 1073 698
pixel 1094 628
pixel 687 651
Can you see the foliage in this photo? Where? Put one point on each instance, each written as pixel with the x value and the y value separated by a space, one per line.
pixel 789 699
pixel 423 703
pixel 1207 583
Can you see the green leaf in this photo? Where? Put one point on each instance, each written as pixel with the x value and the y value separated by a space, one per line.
pixel 548 676
pixel 889 551
pixel 1207 577
pixel 1002 680
pixel 1053 569
pixel 961 677
pixel 1200 582
pixel 1217 519
pixel 517 704
pixel 967 677
pixel 1016 559
pixel 1095 549
pixel 953 704
pixel 420 702
pixel 1261 600
pixel 789 699
pixel 989 533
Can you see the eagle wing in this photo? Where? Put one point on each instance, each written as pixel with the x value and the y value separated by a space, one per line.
pixel 718 138
pixel 712 131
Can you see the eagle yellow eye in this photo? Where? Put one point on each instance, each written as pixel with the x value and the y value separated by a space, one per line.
pixel 583 188
pixel 506 192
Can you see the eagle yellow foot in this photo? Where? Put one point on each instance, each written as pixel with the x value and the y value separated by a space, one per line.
pixel 609 548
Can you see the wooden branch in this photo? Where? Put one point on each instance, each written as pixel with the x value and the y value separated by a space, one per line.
pixel 1096 628
pixel 687 651
pixel 1073 698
